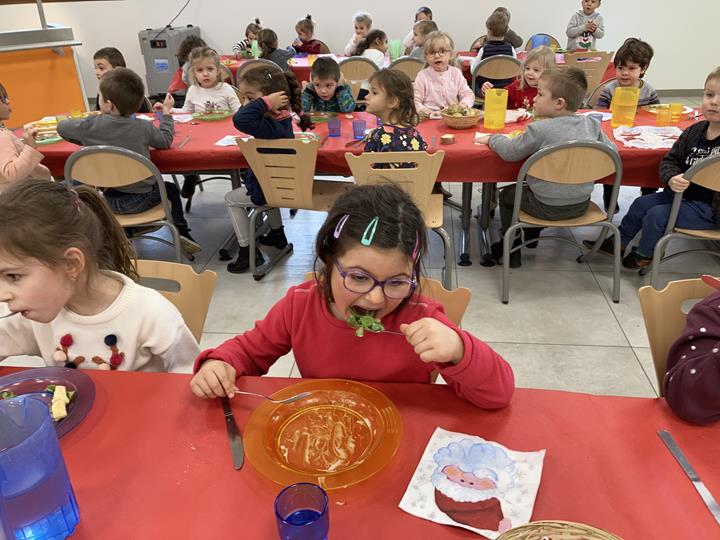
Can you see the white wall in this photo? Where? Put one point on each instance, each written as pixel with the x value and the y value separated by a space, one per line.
pixel 672 28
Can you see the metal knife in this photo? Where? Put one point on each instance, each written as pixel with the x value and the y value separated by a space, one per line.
pixel 707 497
pixel 234 436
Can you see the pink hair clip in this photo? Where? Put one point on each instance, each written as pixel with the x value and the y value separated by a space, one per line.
pixel 416 248
pixel 340 225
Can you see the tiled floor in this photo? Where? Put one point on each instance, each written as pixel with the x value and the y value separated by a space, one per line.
pixel 560 330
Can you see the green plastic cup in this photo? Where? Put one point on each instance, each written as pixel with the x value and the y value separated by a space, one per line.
pixel 395 49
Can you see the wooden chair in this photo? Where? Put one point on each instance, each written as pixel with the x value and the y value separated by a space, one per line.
pixel 498 67
pixel 593 97
pixel 355 70
pixel 285 169
pixel 592 63
pixel 409 66
pixel 478 43
pixel 324 49
pixel 665 319
pixel 254 64
pixel 454 301
pixel 705 173
pixel 227 75
pixel 113 167
pixel 554 43
pixel 418 180
pixel 188 291
pixel 575 162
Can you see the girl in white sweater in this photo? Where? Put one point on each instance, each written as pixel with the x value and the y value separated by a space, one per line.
pixel 67 289
pixel 362 22
pixel 208 92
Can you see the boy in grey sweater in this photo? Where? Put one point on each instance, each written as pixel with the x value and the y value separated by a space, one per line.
pixel 121 91
pixel 585 27
pixel 560 93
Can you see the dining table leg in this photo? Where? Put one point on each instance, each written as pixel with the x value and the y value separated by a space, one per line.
pixel 484 210
pixel 465 216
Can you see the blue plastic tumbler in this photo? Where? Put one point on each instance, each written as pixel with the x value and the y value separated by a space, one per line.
pixel 36 499
pixel 358 128
pixel 334 127
pixel 301 512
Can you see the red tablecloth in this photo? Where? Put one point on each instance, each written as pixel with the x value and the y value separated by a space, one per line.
pixel 152 461
pixel 464 161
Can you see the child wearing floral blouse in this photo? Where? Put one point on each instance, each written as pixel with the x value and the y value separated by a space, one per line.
pixel 440 84
pixel 391 99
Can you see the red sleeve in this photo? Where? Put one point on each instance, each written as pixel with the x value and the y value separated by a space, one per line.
pixel 692 378
pixel 513 89
pixel 253 352
pixel 482 377
pixel 177 83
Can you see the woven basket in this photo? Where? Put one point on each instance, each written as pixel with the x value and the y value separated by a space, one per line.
pixel 556 530
pixel 462 122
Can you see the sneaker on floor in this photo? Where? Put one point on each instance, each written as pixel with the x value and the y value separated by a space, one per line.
pixel 636 261
pixel 188 243
pixel 496 251
pixel 531 236
pixel 242 263
pixel 275 238
pixel 607 247
pixel 188 187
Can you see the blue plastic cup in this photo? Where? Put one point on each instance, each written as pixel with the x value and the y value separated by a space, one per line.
pixel 36 499
pixel 334 127
pixel 301 512
pixel 358 128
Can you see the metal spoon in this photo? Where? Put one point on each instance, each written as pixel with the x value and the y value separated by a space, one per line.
pixel 286 400
pixel 9 314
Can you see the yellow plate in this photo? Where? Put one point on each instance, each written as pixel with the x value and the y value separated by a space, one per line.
pixel 340 435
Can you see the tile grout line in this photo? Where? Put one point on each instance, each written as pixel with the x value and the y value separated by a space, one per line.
pixel 609 301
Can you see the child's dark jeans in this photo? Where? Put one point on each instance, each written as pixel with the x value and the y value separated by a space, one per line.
pixel 122 202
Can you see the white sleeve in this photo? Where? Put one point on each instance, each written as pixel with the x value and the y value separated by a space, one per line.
pixel 189 106
pixel 16 336
pixel 181 355
pixel 231 98
pixel 351 47
pixel 165 334
pixel 408 40
pixel 476 60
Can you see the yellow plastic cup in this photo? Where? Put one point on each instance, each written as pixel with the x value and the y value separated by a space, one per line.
pixel 624 106
pixel 663 117
pixel 495 108
pixel 676 110
pixel 311 59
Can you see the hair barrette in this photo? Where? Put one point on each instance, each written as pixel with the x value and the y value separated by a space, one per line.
pixel 340 225
pixel 369 233
pixel 416 247
pixel 75 196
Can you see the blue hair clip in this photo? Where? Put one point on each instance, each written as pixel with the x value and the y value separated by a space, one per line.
pixel 340 225
pixel 369 233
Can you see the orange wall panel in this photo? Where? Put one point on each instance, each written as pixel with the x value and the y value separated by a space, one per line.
pixel 40 83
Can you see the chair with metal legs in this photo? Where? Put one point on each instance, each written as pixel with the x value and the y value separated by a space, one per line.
pixel 574 162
